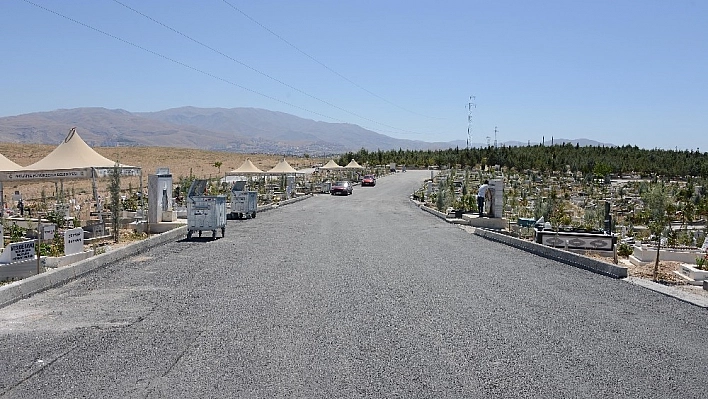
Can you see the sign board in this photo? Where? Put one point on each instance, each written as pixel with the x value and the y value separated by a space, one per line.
pixel 74 241
pixel 48 231
pixel 124 171
pixel 47 174
pixel 18 251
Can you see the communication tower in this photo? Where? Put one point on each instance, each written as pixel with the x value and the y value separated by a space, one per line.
pixel 470 106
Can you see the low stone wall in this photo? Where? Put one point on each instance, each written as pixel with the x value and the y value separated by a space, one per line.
pixel 645 254
pixel 39 282
pixel 263 208
pixel 18 270
pixel 60 261
pixel 432 211
pixel 569 258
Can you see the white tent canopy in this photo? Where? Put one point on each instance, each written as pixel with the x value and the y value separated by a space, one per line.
pixel 7 165
pixel 353 165
pixel 246 168
pixel 331 165
pixel 72 159
pixel 283 168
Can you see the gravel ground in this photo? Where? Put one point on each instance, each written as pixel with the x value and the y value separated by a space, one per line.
pixel 358 296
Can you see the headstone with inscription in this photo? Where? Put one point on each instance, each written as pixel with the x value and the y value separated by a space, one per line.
pixel 48 231
pixel 18 251
pixel 74 241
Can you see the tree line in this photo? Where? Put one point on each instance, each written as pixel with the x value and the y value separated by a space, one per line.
pixel 597 160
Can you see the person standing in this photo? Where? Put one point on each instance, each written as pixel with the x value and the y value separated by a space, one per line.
pixel 481 193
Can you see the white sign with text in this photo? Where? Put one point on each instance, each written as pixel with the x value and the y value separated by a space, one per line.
pixel 48 231
pixel 74 241
pixel 18 251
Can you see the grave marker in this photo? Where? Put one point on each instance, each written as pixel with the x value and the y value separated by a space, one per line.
pixel 74 241
pixel 18 251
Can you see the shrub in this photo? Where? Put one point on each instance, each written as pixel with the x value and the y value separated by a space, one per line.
pixel 702 262
pixel 624 249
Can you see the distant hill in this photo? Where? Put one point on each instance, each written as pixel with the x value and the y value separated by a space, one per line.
pixel 245 130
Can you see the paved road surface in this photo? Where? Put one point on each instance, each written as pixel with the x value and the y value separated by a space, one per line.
pixel 346 297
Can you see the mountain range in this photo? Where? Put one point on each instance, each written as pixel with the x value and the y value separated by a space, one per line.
pixel 244 130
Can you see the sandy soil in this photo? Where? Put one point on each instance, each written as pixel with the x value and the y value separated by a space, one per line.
pixel 666 274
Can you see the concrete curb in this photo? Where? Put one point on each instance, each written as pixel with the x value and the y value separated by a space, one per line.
pixel 26 287
pixel 670 291
pixel 582 262
pixel 269 207
pixel 438 213
pixel 569 258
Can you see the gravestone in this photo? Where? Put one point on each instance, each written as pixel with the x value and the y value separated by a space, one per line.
pixel 18 251
pixel 74 241
pixel 496 208
pixel 48 231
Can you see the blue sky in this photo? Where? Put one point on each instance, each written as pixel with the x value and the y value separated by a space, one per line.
pixel 621 72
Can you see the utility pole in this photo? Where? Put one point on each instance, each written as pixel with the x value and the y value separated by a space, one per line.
pixel 470 106
pixel 495 137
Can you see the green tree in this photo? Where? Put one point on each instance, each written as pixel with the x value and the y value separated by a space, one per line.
pixel 657 203
pixel 114 191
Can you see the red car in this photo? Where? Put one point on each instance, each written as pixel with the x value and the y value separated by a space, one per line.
pixel 368 180
pixel 341 187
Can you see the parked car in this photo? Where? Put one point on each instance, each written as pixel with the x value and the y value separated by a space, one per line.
pixel 341 187
pixel 368 180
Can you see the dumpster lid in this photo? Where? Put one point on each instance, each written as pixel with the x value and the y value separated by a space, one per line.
pixel 198 188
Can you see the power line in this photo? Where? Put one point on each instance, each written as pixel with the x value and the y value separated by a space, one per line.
pixel 215 76
pixel 323 64
pixel 257 70
pixel 179 62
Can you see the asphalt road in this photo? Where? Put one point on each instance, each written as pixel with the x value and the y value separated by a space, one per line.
pixel 347 297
